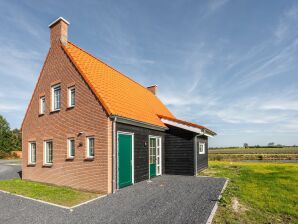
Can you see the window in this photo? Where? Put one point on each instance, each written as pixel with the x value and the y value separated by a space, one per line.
pixel 152 150
pixel 90 147
pixel 56 94
pixel 71 148
pixel 201 148
pixel 48 152
pixel 42 105
pixel 71 96
pixel 32 153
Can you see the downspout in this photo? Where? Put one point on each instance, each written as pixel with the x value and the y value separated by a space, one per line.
pixel 114 187
pixel 195 154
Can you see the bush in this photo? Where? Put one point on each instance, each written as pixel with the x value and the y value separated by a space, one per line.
pixel 3 155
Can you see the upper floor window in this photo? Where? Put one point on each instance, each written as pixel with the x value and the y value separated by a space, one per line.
pixel 32 153
pixel 42 105
pixel 90 147
pixel 71 96
pixel 201 148
pixel 56 96
pixel 71 148
pixel 48 152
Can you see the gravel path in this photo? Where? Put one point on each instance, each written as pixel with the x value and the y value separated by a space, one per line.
pixel 167 199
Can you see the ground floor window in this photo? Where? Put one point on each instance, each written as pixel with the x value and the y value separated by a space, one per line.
pixel 90 147
pixel 71 147
pixel 48 152
pixel 32 153
pixel 201 148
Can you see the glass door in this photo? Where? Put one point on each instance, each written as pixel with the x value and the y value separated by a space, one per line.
pixel 155 156
pixel 152 156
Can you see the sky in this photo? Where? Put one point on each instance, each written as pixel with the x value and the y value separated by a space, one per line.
pixel 229 65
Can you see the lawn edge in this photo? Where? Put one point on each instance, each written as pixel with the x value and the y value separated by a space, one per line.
pixel 213 212
pixel 53 204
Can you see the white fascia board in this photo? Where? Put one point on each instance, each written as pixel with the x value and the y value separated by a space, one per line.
pixel 60 18
pixel 185 127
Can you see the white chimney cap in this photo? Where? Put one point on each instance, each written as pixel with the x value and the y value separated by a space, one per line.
pixel 57 20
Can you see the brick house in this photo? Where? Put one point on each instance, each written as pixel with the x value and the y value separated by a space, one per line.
pixel 90 127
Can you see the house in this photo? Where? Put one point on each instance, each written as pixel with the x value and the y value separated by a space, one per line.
pixel 90 127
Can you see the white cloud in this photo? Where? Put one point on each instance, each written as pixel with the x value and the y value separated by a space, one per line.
pixel 18 63
pixel 287 25
pixel 215 5
pixel 10 107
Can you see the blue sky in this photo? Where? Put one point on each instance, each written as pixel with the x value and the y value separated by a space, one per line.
pixel 229 65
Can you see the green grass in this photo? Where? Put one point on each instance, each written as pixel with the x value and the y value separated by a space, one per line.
pixel 239 157
pixel 266 192
pixel 286 150
pixel 260 148
pixel 59 195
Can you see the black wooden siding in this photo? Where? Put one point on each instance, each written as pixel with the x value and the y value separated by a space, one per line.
pixel 202 159
pixel 179 152
pixel 141 151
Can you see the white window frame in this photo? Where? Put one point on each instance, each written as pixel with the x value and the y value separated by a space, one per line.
pixel 203 147
pixel 45 152
pixel 30 162
pixel 88 156
pixel 70 104
pixel 69 149
pixel 53 97
pixel 42 105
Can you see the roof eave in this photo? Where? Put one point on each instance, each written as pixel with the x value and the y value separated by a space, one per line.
pixel 134 122
pixel 200 131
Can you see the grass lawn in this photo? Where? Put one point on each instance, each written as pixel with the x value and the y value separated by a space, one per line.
pixel 59 195
pixel 257 192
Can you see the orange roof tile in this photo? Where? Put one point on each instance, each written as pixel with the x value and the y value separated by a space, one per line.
pixel 118 94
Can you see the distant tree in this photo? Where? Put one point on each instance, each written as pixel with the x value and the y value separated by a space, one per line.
pixel 9 139
pixel 245 145
pixel 16 139
pixel 5 135
pixel 271 144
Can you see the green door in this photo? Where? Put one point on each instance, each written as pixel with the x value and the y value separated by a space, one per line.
pixel 124 160
pixel 152 156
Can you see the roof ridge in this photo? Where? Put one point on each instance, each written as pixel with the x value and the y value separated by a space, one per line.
pixel 107 65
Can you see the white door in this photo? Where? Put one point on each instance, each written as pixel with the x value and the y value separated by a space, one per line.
pixel 158 156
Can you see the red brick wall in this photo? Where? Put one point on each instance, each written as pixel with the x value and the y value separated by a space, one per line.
pixel 87 116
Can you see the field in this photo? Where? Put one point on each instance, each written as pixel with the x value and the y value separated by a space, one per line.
pixel 238 154
pixel 257 192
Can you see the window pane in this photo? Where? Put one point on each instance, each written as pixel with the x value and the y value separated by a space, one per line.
pixel 32 152
pixel 72 96
pixel 57 91
pixel 42 105
pixel 49 152
pixel 71 147
pixel 91 146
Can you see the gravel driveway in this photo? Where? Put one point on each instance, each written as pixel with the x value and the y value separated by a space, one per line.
pixel 10 169
pixel 167 199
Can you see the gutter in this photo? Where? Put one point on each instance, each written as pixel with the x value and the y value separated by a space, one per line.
pixel 129 121
pixel 114 155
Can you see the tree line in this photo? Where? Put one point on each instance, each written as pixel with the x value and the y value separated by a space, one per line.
pixel 10 139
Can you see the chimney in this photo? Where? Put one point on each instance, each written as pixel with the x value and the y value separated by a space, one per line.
pixel 59 31
pixel 152 89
